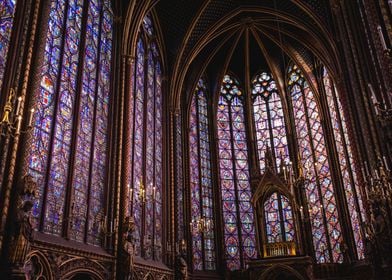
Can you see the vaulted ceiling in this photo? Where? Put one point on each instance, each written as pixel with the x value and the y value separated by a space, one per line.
pixel 204 36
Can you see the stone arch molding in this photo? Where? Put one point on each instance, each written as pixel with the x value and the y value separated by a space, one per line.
pixel 37 267
pixel 78 265
pixel 269 273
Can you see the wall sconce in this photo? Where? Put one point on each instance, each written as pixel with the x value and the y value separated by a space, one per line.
pixel 11 121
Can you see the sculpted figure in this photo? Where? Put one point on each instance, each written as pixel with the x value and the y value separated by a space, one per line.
pixel 128 245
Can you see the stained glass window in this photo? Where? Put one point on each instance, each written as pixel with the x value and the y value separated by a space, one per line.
pixel 278 219
pixel 68 155
pixel 326 228
pixel 269 119
pixel 346 162
pixel 203 244
pixel 7 8
pixel 179 184
pixel 145 110
pixel 238 216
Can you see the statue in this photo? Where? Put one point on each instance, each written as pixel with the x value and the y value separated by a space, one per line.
pixel 128 245
pixel 181 264
pixel 23 229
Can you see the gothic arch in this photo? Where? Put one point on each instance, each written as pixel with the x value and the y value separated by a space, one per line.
pixel 37 264
pixel 74 266
pixel 275 273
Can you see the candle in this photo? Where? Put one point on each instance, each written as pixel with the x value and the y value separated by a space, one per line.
pixel 366 192
pixel 373 94
pixel 18 124
pixel 31 116
pixel 301 212
pixel 363 174
pixel 153 193
pixel 376 174
pixel 366 168
pixel 18 101
pixel 390 5
pixel 382 39
pixel 385 163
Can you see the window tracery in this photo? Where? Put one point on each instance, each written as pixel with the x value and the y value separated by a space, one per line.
pixel 144 190
pixel 320 193
pixel 203 241
pixel 237 211
pixel 68 154
pixel 7 9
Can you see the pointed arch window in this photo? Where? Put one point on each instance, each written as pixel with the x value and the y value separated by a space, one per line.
pixel 278 219
pixel 7 9
pixel 326 228
pixel 269 119
pixel 70 138
pixel 237 211
pixel 144 188
pixel 203 241
pixel 347 167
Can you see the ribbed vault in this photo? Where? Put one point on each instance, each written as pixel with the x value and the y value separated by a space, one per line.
pixel 199 36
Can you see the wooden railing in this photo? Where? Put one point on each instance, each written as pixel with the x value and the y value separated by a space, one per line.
pixel 279 249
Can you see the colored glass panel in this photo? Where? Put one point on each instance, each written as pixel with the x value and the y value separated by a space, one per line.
pixel 239 232
pixel 278 219
pixel 138 142
pixel 145 123
pixel 61 97
pixel 100 144
pixel 158 163
pixel 203 248
pixel 179 182
pixel 347 169
pixel 269 120
pixel 7 8
pixel 323 213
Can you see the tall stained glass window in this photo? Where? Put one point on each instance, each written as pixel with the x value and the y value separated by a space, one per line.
pixel 278 219
pixel 269 119
pixel 346 162
pixel 326 228
pixel 145 107
pixel 7 12
pixel 203 244
pixel 180 184
pixel 238 216
pixel 68 154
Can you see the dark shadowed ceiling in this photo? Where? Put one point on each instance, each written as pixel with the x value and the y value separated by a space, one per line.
pixel 213 31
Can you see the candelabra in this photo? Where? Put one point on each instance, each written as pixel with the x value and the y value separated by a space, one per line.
pixel 103 227
pixel 378 230
pixel 200 225
pixel 378 182
pixel 143 195
pixel 382 112
pixel 11 121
